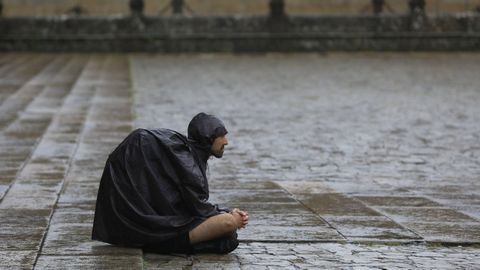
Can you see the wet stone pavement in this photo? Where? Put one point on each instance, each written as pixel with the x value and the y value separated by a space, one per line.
pixel 351 161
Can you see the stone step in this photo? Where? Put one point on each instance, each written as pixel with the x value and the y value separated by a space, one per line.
pixel 35 190
pixel 16 75
pixel 107 123
pixel 27 121
pixel 27 91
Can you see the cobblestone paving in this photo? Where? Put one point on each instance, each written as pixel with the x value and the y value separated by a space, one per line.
pixel 325 256
pixel 355 161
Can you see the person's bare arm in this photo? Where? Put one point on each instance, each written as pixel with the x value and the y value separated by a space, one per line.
pixel 218 226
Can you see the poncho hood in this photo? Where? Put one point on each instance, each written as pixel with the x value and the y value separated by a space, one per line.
pixel 202 131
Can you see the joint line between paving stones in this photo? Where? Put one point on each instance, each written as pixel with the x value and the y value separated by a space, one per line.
pixel 399 224
pixel 391 219
pixel 294 241
pixel 35 145
pixel 44 237
pixel 311 210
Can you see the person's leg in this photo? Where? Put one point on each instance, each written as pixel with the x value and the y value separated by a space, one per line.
pixel 213 228
pixel 178 244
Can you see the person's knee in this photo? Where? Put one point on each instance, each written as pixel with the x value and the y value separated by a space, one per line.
pixel 229 223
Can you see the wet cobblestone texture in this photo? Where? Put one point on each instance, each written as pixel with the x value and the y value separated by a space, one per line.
pixel 353 161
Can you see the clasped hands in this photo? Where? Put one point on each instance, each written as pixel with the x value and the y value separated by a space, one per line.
pixel 241 217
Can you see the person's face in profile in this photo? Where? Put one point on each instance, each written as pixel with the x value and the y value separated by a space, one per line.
pixel 218 146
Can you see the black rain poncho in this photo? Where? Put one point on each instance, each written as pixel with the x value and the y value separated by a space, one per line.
pixel 154 186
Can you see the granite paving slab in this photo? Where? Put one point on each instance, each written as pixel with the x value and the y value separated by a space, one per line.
pixel 275 215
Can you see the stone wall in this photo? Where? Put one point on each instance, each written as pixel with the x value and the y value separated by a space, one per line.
pixel 240 34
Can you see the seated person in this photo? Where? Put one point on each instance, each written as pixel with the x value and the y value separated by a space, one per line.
pixel 154 192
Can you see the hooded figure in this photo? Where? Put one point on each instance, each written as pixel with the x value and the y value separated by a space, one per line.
pixel 154 188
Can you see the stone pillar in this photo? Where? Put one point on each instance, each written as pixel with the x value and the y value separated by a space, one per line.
pixel 377 6
pixel 136 7
pixel 418 17
pixel 76 10
pixel 416 6
pixel 277 9
pixel 177 7
pixel 277 20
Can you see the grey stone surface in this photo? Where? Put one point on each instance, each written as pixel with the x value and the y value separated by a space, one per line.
pixel 358 161
pixel 68 242
pixel 352 138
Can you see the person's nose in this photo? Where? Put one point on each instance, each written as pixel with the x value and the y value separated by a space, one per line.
pixel 225 142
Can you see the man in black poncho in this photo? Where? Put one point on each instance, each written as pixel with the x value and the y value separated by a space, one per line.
pixel 154 192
